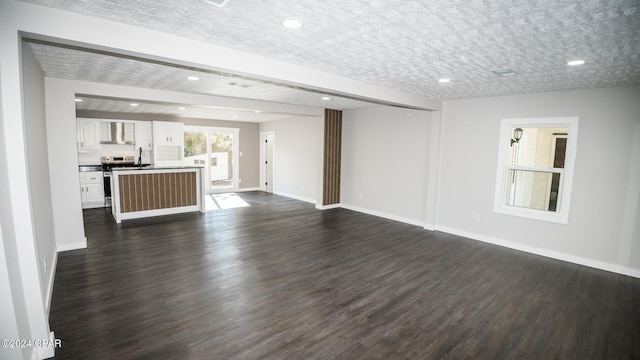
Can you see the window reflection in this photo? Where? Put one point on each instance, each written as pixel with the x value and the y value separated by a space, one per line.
pixel 532 189
pixel 536 167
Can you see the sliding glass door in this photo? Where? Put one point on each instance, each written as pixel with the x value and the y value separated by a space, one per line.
pixel 217 150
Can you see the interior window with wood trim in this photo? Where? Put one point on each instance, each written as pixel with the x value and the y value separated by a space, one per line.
pixel 535 168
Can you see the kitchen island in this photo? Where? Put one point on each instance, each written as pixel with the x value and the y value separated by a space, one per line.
pixel 153 191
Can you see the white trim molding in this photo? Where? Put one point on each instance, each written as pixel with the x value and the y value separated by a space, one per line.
pixel 328 207
pixel 248 189
pixel 561 214
pixel 52 275
pixel 384 215
pixel 601 265
pixel 301 198
pixel 73 246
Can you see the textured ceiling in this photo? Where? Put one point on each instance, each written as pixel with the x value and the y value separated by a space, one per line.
pixel 408 45
pixel 74 64
pixel 111 105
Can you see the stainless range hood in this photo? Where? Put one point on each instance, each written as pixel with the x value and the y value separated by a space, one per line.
pixel 114 132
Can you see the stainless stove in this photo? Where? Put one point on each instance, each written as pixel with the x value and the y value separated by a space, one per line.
pixel 110 162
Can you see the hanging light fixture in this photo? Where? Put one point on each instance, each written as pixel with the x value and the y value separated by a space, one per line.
pixel 517 135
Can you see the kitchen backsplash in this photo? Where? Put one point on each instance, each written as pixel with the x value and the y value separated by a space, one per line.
pixel 93 157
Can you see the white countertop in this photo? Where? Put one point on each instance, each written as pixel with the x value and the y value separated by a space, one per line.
pixel 159 167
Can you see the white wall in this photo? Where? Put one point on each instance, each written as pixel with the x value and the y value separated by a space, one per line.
pixel 630 246
pixel 603 227
pixel 8 312
pixel 385 162
pixel 13 309
pixel 298 156
pixel 63 162
pixel 36 139
pixel 18 230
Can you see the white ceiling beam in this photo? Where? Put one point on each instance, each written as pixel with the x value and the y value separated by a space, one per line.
pixel 106 35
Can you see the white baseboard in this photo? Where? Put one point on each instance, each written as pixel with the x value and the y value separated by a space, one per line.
pixel 327 207
pixel 301 198
pixel 429 227
pixel 52 275
pixel 73 246
pixel 248 189
pixel 619 269
pixel 383 215
pixel 46 352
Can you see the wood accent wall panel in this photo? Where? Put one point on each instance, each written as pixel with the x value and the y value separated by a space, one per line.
pixel 332 156
pixel 140 192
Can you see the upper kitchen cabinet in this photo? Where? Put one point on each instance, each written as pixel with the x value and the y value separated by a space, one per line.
pixel 144 135
pixel 168 143
pixel 167 132
pixel 88 134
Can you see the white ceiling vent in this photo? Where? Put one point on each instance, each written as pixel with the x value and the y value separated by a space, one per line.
pixel 240 85
pixel 218 3
pixel 503 72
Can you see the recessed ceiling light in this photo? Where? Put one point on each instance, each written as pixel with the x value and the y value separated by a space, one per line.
pixel 444 80
pixel 193 78
pixel 181 108
pixel 326 98
pixel 292 24
pixel 78 100
pixel 257 111
pixel 133 104
pixel 575 62
pixel 235 116
pixel 218 3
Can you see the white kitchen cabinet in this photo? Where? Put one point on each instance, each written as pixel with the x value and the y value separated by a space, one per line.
pixel 168 133
pixel 91 189
pixel 88 134
pixel 168 143
pixel 144 135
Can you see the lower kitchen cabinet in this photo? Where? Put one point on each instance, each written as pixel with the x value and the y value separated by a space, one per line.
pixel 91 189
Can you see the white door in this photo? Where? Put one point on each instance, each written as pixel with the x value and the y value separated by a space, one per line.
pixel 269 164
pixel 267 146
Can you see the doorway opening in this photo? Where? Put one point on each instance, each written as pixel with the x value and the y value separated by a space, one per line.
pixel 217 150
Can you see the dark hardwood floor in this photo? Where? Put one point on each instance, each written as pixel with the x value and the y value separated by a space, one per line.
pixel 282 280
